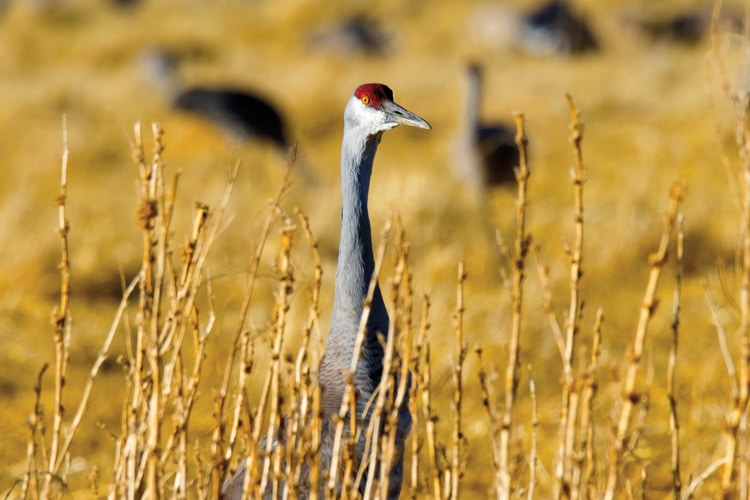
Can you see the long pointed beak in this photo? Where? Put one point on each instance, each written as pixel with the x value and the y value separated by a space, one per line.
pixel 401 116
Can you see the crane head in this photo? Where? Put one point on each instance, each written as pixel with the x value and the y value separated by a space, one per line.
pixel 372 107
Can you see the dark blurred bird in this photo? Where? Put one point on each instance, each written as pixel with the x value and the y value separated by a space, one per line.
pixel 687 28
pixel 486 153
pixel 359 34
pixel 125 4
pixel 555 29
pixel 552 28
pixel 241 113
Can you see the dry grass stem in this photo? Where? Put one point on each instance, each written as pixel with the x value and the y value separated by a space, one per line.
pixel 61 324
pixel 30 483
pixel 584 461
pixel 417 364
pixel 244 348
pixel 736 428
pixel 630 395
pixel 569 404
pixel 522 242
pixel 549 309
pixel 458 366
pixel 490 403
pixel 401 329
pixel 425 383
pixel 533 457
pixel 674 423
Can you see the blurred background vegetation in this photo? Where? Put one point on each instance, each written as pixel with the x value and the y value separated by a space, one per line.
pixel 654 112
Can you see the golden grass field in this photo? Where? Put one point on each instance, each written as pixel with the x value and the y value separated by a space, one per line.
pixel 654 114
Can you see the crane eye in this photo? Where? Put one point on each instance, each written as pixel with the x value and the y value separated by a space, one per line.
pixel 365 100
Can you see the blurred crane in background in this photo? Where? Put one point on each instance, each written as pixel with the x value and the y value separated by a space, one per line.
pixel 359 34
pixel 553 28
pixel 486 154
pixel 244 115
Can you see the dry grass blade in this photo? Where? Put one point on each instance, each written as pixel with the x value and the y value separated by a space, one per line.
pixel 243 348
pixel 584 466
pixel 522 243
pixel 61 325
pixel 568 406
pixel 425 384
pixel 674 423
pixel 30 483
pixel 533 457
pixel 736 428
pixel 489 401
pixel 549 309
pixel 396 399
pixel 416 393
pixel 630 395
pixel 458 368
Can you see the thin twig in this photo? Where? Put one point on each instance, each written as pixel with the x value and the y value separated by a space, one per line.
pixel 568 407
pixel 61 324
pixel 674 423
pixel 630 395
pixel 457 436
pixel 522 243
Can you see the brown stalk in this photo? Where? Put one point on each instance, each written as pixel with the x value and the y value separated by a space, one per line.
pixel 721 335
pixel 630 395
pixel 375 443
pixel 736 428
pixel 313 390
pixel 457 436
pixel 274 443
pixel 30 483
pixel 568 407
pixel 425 380
pixel 101 358
pixel 522 242
pixel 489 401
pixel 151 319
pixel 158 379
pixel 585 459
pixel 533 458
pixel 396 369
pixel 61 324
pixel 415 392
pixel 244 348
pixel 404 309
pixel 549 309
pixel 674 423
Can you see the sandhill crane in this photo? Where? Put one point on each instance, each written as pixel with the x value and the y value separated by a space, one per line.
pixel 553 28
pixel 356 35
pixel 240 112
pixel 486 153
pixel 369 113
pixel 687 27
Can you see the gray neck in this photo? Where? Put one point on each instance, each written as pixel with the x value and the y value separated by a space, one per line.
pixel 356 265
pixel 472 103
pixel 468 161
